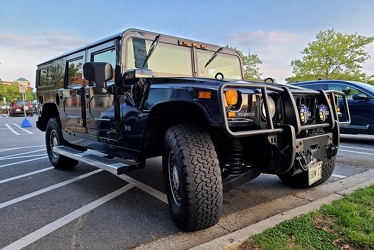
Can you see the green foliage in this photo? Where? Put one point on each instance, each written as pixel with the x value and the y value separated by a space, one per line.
pixel 11 92
pixel 333 55
pixel 250 65
pixel 347 223
pixel 299 233
pixel 74 70
pixel 354 217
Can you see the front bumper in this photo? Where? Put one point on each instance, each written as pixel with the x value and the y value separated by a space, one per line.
pixel 282 147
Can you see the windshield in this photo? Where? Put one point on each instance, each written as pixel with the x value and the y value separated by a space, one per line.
pixel 166 60
pixel 177 60
pixel 228 65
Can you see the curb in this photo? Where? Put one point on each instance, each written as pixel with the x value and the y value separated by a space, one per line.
pixel 234 239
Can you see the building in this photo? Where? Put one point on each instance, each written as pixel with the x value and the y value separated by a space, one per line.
pixel 24 82
pixel 20 80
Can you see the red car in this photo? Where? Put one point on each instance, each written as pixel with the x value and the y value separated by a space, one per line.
pixel 18 107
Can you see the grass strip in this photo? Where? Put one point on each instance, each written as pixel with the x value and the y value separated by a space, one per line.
pixel 347 223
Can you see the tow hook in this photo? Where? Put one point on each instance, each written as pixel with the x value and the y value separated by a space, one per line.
pixel 302 162
pixel 332 151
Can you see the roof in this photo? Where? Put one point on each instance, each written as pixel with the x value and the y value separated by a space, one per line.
pixel 21 79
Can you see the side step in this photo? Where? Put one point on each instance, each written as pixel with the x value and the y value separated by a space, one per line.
pixel 94 159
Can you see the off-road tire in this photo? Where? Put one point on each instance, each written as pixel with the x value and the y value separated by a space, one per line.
pixel 192 177
pixel 53 137
pixel 301 180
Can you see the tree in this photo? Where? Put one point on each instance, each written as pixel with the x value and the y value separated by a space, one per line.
pixel 332 55
pixel 11 92
pixel 250 65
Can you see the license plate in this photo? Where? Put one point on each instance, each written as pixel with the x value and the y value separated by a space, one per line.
pixel 314 172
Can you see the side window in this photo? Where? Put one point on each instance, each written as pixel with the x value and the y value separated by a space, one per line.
pixel 346 89
pixel 75 69
pixel 108 55
pixel 314 86
pixel 48 75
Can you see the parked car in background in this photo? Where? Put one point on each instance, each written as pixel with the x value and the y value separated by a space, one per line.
pixel 35 107
pixel 18 107
pixel 360 98
pixel 3 109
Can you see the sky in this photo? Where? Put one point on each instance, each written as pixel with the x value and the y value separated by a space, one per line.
pixel 33 31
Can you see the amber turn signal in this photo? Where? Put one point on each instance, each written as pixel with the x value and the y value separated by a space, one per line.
pixel 231 97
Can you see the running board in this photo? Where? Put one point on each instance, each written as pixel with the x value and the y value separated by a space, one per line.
pixel 94 159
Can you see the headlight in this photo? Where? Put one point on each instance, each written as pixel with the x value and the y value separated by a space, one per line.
pixel 231 96
pixel 304 113
pixel 323 113
pixel 272 108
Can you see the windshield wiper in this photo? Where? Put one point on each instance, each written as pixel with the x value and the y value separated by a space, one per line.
pixel 214 56
pixel 151 49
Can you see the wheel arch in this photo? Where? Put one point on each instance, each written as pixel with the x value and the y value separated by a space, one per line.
pixel 167 114
pixel 49 110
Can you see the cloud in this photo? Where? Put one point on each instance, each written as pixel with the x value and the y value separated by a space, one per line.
pixel 275 49
pixel 58 41
pixel 21 53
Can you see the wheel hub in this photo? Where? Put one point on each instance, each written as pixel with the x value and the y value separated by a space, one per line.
pixel 54 142
pixel 174 179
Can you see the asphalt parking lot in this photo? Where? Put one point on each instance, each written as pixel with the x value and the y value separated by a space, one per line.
pixel 87 208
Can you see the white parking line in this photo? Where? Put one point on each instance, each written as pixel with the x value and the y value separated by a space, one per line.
pixel 155 193
pixel 10 128
pixel 23 128
pixel 338 176
pixel 49 228
pixel 8 157
pixel 25 175
pixel 10 149
pixel 15 132
pixel 16 163
pixel 356 152
pixel 358 148
pixel 47 189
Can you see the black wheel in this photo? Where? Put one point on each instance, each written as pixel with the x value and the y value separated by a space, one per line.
pixel 301 180
pixel 53 138
pixel 192 177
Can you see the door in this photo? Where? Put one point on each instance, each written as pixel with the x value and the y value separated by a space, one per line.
pixel 101 106
pixel 72 95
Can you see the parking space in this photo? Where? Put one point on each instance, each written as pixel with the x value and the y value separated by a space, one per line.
pixel 87 208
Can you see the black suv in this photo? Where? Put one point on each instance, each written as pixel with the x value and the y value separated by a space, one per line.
pixel 138 94
pixel 360 98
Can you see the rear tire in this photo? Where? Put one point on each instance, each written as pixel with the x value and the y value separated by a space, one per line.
pixel 53 138
pixel 192 177
pixel 301 180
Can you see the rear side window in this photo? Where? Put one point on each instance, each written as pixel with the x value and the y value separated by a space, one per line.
pixel 75 69
pixel 108 55
pixel 48 75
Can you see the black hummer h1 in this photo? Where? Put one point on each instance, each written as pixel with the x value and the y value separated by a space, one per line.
pixel 138 94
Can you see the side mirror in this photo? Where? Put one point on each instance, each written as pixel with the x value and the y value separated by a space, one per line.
pixel 362 97
pixel 98 72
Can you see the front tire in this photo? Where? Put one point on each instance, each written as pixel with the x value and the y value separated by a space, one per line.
pixel 301 180
pixel 53 138
pixel 192 177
